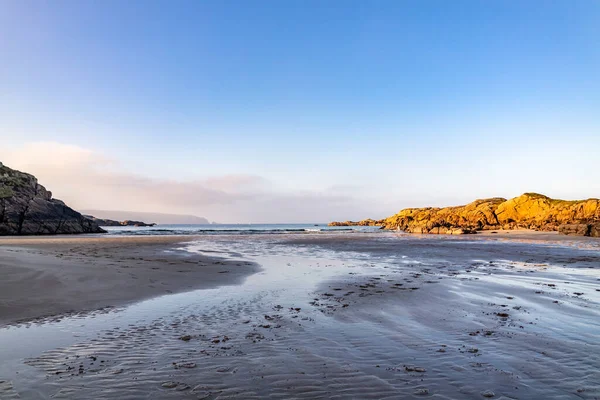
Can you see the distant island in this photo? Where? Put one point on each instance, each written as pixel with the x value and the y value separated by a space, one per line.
pixel 528 211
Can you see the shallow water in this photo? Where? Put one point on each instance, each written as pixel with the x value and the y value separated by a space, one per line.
pixel 334 316
pixel 237 229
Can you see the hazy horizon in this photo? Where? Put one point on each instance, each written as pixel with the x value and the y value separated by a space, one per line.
pixel 148 217
pixel 300 111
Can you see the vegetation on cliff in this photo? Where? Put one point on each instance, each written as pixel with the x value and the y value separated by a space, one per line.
pixel 27 208
pixel 528 211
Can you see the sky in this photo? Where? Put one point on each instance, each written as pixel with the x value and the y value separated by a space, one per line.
pixel 299 110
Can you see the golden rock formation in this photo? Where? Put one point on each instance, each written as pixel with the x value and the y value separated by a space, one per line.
pixel 529 211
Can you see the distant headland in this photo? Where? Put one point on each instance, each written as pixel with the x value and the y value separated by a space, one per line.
pixel 158 218
pixel 110 222
pixel 528 211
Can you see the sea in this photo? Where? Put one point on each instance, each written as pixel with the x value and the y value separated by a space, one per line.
pixel 241 229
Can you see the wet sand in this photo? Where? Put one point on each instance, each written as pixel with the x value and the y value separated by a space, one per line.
pixel 339 316
pixel 53 276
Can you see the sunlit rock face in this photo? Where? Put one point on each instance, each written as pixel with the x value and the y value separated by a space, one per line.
pixel 27 208
pixel 529 211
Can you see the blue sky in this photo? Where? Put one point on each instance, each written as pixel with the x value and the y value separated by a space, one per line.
pixel 327 109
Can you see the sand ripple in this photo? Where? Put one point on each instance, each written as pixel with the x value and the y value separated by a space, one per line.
pixel 484 323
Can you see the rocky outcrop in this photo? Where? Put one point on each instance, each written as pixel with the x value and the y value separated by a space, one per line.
pixel 110 222
pixel 592 230
pixel 472 217
pixel 539 212
pixel 364 222
pixel 136 223
pixel 529 211
pixel 27 208
pixel 575 229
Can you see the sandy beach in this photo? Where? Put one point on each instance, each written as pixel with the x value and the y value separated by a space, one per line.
pixel 343 316
pixel 52 276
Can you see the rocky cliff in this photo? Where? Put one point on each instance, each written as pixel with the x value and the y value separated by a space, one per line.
pixel 530 211
pixel 27 208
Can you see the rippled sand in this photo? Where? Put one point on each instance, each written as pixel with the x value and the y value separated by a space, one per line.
pixel 339 316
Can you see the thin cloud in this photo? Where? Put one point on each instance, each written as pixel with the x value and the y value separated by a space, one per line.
pixel 86 179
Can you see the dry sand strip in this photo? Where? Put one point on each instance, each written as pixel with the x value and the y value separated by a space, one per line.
pixel 48 276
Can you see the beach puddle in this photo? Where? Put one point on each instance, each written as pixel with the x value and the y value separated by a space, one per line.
pixel 337 317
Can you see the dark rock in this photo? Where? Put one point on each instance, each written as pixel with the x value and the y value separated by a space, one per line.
pixel 110 222
pixel 575 229
pixel 27 208
pixel 595 230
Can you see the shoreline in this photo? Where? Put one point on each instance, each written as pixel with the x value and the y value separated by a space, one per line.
pixel 515 234
pixel 45 277
pixel 49 277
